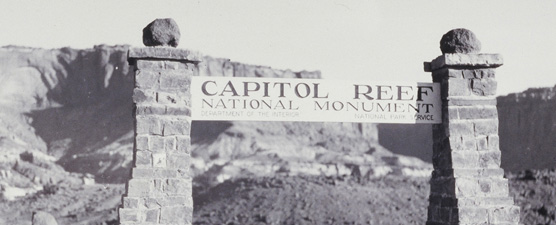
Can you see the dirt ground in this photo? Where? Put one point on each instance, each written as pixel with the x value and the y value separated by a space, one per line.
pixel 286 200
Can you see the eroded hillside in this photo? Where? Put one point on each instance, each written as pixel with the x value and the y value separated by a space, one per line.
pixel 70 111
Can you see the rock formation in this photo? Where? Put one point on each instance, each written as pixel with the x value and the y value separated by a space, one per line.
pixel 43 218
pixel 460 41
pixel 162 32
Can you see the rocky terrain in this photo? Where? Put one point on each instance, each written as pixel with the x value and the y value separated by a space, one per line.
pixel 287 200
pixel 66 120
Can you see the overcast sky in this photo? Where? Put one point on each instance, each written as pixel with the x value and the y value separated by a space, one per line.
pixel 372 40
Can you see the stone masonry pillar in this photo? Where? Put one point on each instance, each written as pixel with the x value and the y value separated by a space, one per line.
pixel 467 184
pixel 160 191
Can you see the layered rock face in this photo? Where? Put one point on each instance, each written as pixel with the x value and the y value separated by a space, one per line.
pixel 528 129
pixel 71 110
pixel 63 110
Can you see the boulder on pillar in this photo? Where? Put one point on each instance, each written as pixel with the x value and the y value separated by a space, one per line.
pixel 162 32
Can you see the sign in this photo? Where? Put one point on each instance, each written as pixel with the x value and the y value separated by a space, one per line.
pixel 314 100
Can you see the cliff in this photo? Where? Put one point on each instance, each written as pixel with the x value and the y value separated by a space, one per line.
pixel 69 112
pixel 527 130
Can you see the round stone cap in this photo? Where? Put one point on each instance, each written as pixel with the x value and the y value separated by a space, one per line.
pixel 162 32
pixel 460 40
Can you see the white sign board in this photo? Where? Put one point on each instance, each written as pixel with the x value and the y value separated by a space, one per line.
pixel 314 100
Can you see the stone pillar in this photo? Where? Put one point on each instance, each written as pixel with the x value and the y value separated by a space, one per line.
pixel 159 191
pixel 467 184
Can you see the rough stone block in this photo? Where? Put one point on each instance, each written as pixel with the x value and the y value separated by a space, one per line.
pixel 482 143
pixel 141 96
pixel 165 173
pixel 490 159
pixel 152 215
pixel 469 142
pixel 456 143
pixel 159 202
pixel 129 215
pixel 445 73
pixel 473 215
pixel 142 173
pixel 443 186
pixel 159 159
pixel 169 143
pixel 173 82
pixel 176 215
pixel 174 186
pixel 148 125
pixel 479 73
pixel 169 201
pixel 489 202
pixel 478 172
pixel 184 173
pixel 130 202
pixel 178 160
pixel 139 187
pixel 494 187
pixel 460 129
pixel 465 159
pixel 471 101
pixel 486 127
pixel 467 187
pixel 178 111
pixel 158 65
pixel 457 87
pixel 183 144
pixel 452 113
pixel 142 142
pixel 164 53
pixel 484 87
pixel 173 99
pixel 156 143
pixel 466 142
pixel 176 127
pixel 493 142
pixel 143 159
pixel 179 200
pixel 146 79
pixel 507 214
pixel 467 60
pixel 150 110
pixel 158 186
pixel 453 73
pixel 478 112
pixel 154 202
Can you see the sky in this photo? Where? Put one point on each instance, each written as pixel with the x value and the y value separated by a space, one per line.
pixel 359 40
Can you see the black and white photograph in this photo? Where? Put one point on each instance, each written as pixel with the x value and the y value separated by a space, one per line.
pixel 247 112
